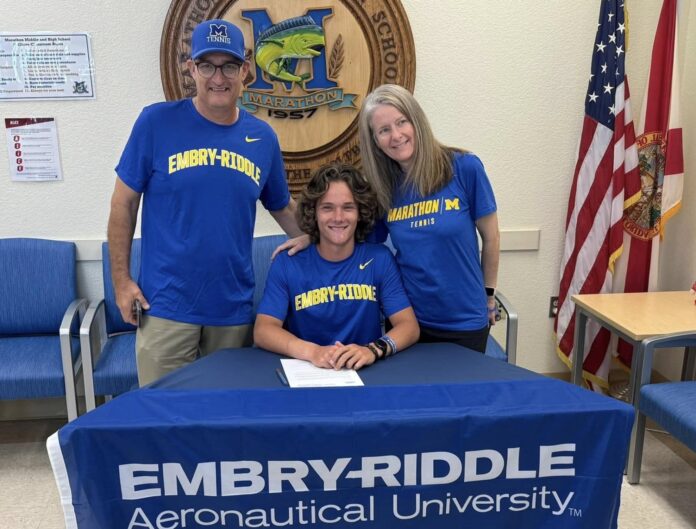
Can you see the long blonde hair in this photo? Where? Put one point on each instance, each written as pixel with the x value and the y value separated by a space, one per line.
pixel 431 169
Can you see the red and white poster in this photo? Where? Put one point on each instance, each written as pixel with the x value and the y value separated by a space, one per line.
pixel 32 146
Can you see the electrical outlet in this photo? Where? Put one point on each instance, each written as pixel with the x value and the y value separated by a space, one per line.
pixel 553 306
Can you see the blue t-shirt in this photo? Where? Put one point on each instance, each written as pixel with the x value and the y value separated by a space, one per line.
pixel 437 247
pixel 324 301
pixel 200 183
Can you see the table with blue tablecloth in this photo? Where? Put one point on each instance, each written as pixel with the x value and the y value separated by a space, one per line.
pixel 439 437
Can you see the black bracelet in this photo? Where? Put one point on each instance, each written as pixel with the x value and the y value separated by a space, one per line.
pixel 490 292
pixel 373 350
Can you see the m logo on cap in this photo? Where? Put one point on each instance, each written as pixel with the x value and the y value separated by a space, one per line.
pixel 218 33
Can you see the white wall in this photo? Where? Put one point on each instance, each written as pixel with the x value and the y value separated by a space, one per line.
pixel 505 79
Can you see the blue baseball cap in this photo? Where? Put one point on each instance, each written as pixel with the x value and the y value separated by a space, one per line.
pixel 217 36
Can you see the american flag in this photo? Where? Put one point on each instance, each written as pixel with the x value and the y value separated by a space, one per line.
pixel 606 158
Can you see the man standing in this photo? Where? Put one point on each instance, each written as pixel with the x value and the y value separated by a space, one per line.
pixel 200 165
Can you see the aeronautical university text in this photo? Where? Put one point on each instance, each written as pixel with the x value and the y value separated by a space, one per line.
pixel 140 481
pixel 404 506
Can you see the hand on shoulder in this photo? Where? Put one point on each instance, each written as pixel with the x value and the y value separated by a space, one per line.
pixel 293 246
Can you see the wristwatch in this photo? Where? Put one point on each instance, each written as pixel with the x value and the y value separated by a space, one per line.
pixel 490 292
pixel 383 346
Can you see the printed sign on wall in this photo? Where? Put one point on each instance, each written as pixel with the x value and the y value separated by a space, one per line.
pixel 32 147
pixel 46 66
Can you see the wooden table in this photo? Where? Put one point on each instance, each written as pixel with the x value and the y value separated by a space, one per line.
pixel 635 317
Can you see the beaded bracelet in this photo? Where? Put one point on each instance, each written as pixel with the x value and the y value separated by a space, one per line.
pixel 391 343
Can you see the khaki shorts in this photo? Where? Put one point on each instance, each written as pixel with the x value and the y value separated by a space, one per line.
pixel 161 345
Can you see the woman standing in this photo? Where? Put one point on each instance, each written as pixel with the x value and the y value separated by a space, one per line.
pixel 434 199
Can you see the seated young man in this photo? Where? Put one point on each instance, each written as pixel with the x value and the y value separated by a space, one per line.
pixel 330 296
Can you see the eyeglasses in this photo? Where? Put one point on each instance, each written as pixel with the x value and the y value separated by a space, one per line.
pixel 229 69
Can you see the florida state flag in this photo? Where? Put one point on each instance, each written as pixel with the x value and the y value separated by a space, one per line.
pixel 655 196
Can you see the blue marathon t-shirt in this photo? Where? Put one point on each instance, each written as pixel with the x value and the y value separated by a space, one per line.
pixel 324 301
pixel 437 247
pixel 200 183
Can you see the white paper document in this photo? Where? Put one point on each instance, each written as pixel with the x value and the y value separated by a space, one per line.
pixel 302 374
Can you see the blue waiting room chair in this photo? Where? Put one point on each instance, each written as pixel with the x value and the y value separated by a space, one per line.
pixel 108 343
pixel 506 352
pixel 672 405
pixel 262 249
pixel 39 357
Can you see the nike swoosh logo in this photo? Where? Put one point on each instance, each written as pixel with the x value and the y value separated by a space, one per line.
pixel 365 265
pixel 251 140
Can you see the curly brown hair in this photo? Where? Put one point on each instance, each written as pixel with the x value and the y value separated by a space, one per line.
pixel 317 187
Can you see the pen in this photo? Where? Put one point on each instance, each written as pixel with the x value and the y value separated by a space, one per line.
pixel 281 376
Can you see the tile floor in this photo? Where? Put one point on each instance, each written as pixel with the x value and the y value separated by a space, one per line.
pixel 665 497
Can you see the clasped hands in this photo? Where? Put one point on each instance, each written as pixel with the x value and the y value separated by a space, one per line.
pixel 339 356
